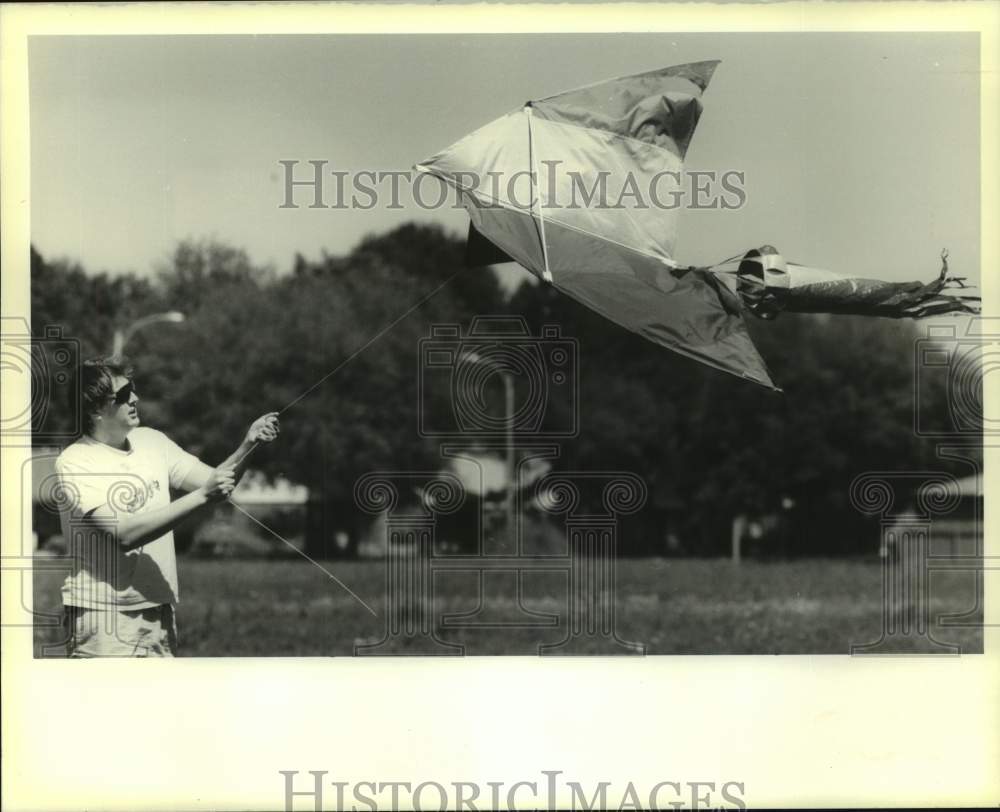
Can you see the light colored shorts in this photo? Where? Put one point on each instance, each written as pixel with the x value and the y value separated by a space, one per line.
pixel 108 633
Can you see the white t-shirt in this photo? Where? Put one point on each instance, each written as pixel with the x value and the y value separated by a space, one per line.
pixel 93 474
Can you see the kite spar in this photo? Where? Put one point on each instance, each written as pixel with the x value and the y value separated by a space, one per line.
pixel 558 187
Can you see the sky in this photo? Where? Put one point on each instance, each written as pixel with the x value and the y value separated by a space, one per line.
pixel 860 151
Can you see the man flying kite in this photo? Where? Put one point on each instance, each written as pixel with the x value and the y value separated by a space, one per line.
pixel 118 516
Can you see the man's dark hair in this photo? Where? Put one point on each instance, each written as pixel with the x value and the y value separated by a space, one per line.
pixel 93 381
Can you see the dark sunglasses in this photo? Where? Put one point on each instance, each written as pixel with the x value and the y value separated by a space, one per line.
pixel 124 395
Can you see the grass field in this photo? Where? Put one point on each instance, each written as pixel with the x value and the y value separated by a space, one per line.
pixel 238 608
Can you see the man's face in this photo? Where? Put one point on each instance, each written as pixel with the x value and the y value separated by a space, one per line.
pixel 121 409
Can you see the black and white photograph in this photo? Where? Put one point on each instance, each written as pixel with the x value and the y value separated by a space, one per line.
pixel 404 350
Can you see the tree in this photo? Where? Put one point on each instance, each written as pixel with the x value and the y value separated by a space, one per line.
pixel 709 445
pixel 334 345
pixel 85 309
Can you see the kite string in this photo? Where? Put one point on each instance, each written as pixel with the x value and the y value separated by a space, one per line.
pixel 348 360
pixel 538 197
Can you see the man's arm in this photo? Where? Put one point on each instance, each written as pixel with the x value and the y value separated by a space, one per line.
pixel 134 530
pixel 263 430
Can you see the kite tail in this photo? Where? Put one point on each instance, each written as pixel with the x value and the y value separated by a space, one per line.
pixel 768 285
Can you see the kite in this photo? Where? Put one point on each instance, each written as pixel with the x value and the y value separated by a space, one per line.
pixel 563 187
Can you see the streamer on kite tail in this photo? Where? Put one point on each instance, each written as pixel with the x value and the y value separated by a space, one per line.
pixel 767 285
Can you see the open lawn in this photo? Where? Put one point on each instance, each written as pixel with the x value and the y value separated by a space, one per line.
pixel 239 608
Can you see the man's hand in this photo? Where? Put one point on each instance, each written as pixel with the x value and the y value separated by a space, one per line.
pixel 221 483
pixel 264 429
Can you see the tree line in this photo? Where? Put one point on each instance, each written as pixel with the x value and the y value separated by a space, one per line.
pixel 336 341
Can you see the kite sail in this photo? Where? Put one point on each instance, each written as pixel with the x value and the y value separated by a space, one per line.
pixel 558 186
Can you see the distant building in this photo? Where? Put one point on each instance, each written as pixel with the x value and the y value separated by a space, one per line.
pixel 483 476
pixel 255 490
pixel 221 531
pixel 277 528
